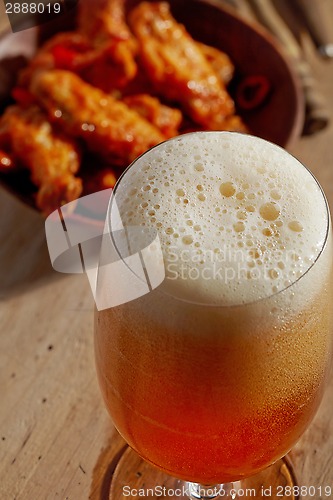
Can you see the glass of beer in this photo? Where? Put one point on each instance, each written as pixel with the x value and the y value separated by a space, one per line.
pixel 214 375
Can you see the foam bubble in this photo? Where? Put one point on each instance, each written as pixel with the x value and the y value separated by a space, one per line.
pixel 248 204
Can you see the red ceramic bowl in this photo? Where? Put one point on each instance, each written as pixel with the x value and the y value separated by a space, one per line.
pixel 253 51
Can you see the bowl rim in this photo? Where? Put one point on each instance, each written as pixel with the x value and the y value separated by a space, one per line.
pixel 299 116
pixel 277 46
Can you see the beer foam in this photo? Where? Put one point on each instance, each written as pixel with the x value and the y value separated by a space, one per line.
pixel 239 218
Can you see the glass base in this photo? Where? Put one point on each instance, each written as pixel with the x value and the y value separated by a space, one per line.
pixel 135 478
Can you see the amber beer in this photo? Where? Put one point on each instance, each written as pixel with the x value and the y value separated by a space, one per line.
pixel 215 375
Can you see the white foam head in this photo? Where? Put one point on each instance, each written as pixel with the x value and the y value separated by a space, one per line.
pixel 239 218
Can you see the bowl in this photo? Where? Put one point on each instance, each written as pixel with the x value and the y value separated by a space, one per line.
pixel 255 54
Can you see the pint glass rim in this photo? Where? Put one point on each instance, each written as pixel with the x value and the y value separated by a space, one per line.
pixel 239 304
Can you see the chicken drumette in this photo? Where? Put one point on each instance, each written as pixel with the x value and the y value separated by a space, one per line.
pixel 179 68
pixel 108 126
pixel 52 159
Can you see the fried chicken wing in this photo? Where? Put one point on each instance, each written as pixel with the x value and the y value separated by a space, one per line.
pixel 220 61
pixel 103 23
pixel 108 67
pixel 113 68
pixel 105 178
pixel 51 158
pixel 102 20
pixel 69 50
pixel 178 67
pixel 108 126
pixel 166 119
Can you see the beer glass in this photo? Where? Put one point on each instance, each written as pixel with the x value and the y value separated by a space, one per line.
pixel 211 378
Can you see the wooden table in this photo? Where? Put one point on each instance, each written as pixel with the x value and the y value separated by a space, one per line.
pixel 56 438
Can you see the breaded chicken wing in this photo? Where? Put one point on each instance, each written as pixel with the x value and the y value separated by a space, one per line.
pixel 68 50
pixel 178 67
pixel 52 159
pixel 220 62
pixel 166 119
pixel 102 20
pixel 108 126
pixel 113 67
pixel 103 23
pixel 108 67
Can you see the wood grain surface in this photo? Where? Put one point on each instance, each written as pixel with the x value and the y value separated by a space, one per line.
pixel 56 438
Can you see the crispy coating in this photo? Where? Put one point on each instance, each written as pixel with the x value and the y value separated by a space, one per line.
pixel 108 67
pixel 113 67
pixel 102 20
pixel 108 126
pixel 105 178
pixel 166 119
pixel 45 58
pixel 220 62
pixel 103 23
pixel 178 67
pixel 51 158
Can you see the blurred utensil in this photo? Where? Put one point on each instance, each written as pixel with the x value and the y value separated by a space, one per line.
pixel 242 8
pixel 319 27
pixel 316 116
